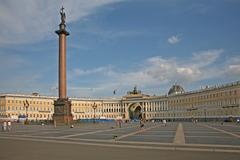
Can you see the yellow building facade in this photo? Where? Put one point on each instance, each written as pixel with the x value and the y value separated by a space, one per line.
pixel 216 103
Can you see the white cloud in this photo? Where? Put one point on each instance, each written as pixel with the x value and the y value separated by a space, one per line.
pixel 106 71
pixel 174 39
pixel 158 71
pixel 111 34
pixel 204 58
pixel 32 20
pixel 233 67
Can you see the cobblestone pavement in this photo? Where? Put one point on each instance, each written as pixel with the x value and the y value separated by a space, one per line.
pixel 192 138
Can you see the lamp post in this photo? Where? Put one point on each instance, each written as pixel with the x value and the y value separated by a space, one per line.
pixel 102 108
pixel 122 113
pixel 26 105
pixel 94 107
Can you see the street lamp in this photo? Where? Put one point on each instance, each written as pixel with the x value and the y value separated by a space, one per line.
pixel 122 110
pixel 94 107
pixel 26 105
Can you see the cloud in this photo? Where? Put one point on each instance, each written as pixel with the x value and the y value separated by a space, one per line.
pixel 111 34
pixel 232 68
pixel 31 20
pixel 106 71
pixel 151 75
pixel 204 58
pixel 174 39
pixel 156 72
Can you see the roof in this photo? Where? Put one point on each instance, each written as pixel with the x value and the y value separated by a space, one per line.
pixel 175 89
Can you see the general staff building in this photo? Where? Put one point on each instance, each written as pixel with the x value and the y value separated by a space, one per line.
pixel 210 103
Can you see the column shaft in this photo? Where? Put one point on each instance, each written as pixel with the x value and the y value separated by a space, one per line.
pixel 62 66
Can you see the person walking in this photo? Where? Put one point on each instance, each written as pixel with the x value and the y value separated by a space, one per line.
pixel 120 123
pixel 164 123
pixel 141 123
pixel 4 126
pixel 9 125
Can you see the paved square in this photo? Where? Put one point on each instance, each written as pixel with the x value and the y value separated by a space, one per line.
pixel 190 137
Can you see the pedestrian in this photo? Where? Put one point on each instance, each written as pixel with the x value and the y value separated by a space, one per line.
pixel 55 123
pixel 164 123
pixel 120 124
pixel 4 126
pixel 141 124
pixel 9 125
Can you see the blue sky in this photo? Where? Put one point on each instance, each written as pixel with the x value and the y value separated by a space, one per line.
pixel 117 44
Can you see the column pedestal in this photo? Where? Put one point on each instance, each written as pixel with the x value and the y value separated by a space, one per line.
pixel 62 112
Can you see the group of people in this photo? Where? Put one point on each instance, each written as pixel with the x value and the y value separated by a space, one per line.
pixel 6 126
pixel 164 122
pixel 141 123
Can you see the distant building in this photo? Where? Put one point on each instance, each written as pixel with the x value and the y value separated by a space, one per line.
pixel 216 103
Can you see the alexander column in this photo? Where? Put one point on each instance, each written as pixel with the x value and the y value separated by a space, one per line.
pixel 62 106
